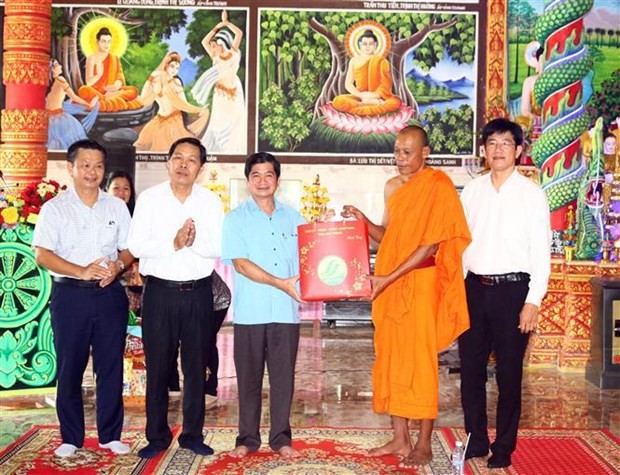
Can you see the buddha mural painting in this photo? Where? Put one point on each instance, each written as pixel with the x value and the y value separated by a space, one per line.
pixel 368 80
pixel 368 103
pixel 103 42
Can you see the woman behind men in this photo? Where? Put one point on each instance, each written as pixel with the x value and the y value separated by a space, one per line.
pixel 120 184
pixel 166 89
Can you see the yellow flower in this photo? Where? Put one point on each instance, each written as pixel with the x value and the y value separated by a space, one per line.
pixel 10 215
pixel 32 218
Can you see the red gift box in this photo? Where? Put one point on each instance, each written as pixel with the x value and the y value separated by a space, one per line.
pixel 334 260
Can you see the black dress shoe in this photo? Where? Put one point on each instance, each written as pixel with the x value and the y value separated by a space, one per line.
pixel 499 461
pixel 151 450
pixel 198 447
pixel 472 453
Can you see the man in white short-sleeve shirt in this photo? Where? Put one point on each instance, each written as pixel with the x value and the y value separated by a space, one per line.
pixel 81 238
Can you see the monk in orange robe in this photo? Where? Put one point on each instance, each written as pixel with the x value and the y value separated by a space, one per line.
pixel 368 82
pixel 419 304
pixel 105 79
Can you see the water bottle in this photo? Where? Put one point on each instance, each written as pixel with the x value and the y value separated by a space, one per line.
pixel 458 458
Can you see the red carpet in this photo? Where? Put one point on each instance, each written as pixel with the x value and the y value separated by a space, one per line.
pixel 324 451
pixel 33 454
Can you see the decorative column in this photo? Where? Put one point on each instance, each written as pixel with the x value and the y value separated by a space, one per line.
pixel 557 153
pixel 28 362
pixel 496 48
pixel 25 73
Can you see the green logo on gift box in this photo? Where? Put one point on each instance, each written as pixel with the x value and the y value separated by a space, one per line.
pixel 332 270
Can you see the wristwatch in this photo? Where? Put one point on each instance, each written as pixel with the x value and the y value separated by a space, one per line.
pixel 121 264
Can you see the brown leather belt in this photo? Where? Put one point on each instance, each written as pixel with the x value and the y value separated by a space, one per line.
pixel 496 279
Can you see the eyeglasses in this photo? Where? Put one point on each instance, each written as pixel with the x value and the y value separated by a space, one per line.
pixel 502 144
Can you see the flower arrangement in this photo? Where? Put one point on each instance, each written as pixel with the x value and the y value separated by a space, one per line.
pixel 314 201
pixel 219 189
pixel 25 206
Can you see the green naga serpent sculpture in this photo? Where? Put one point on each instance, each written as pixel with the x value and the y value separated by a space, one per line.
pixel 557 153
pixel 590 201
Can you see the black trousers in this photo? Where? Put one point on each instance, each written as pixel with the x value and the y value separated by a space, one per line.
pixel 494 315
pixel 213 361
pixel 85 318
pixel 171 317
pixel 254 345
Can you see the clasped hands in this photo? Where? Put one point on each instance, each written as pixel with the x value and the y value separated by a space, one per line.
pixel 103 269
pixel 185 235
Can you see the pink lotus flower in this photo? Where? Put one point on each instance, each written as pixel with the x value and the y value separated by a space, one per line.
pixel 355 124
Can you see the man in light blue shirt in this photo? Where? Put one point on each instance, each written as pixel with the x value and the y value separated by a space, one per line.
pixel 260 241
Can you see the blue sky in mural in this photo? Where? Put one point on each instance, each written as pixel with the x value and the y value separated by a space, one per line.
pixel 177 39
pixel 445 70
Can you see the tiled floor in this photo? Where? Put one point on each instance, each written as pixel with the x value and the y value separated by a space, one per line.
pixel 334 389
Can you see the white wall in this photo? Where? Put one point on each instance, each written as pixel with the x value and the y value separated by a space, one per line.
pixel 358 185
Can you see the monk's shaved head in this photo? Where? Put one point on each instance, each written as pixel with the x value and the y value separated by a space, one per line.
pixel 416 130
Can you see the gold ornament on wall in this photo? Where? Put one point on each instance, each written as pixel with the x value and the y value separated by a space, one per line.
pixel 25 68
pixel 496 60
pixel 23 164
pixel 24 125
pixel 31 7
pixel 26 31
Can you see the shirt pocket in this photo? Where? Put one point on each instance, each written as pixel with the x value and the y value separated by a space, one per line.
pixel 108 239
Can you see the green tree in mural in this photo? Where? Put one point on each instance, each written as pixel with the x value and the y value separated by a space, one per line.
pixel 286 116
pixel 296 44
pixel 59 30
pixel 605 102
pixel 289 49
pixel 143 59
pixel 451 131
pixel 157 23
pixel 521 20
pixel 426 36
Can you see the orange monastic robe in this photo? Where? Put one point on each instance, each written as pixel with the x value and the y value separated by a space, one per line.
pixel 124 99
pixel 424 311
pixel 373 76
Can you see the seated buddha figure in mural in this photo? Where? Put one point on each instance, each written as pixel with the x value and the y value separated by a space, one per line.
pixel 105 78
pixel 368 81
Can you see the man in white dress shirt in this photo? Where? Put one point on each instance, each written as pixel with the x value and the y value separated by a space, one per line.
pixel 81 238
pixel 508 267
pixel 176 233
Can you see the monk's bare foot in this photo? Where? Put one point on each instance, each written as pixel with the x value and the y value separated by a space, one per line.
pixel 419 456
pixel 393 447
pixel 239 452
pixel 288 452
